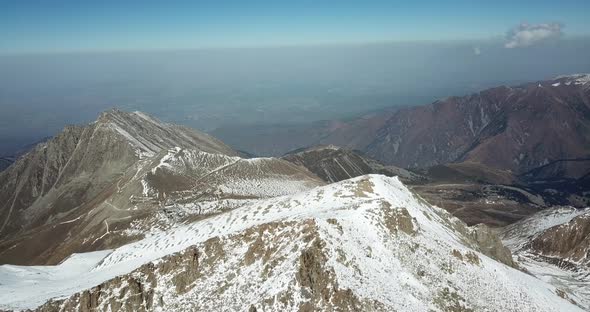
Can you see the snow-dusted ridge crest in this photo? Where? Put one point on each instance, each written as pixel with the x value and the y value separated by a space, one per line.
pixel 576 79
pixel 517 235
pixel 366 243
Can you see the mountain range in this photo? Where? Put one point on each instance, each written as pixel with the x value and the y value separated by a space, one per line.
pixel 519 128
pixel 493 157
pixel 427 208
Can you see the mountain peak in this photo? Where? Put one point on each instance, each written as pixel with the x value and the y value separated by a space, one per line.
pixel 111 113
pixel 148 135
pixel 81 161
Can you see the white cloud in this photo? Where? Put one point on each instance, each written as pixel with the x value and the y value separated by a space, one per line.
pixel 525 35
pixel 476 51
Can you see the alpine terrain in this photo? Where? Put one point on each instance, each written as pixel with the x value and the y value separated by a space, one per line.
pixel 467 204
pixel 492 157
pixel 105 184
pixel 366 243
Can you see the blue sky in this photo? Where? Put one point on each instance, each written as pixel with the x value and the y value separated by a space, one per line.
pixel 59 25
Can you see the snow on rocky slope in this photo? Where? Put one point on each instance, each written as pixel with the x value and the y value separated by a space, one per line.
pixel 108 183
pixel 174 186
pixel 554 245
pixel 149 135
pixel 81 162
pixel 517 235
pixel 366 243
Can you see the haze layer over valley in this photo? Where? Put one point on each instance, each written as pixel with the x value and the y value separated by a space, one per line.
pixel 290 86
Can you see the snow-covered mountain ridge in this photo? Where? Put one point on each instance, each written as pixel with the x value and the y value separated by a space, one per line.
pixel 108 183
pixel 366 243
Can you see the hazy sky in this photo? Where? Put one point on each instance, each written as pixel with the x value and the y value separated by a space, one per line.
pixel 61 25
pixel 208 64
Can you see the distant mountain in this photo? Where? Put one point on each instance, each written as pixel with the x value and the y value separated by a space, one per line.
pixel 278 139
pixel 105 184
pixel 333 164
pixel 510 128
pixel 364 244
pixel 543 124
pixel 492 157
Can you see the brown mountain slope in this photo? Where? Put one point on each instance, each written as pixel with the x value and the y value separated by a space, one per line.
pixel 554 244
pixel 516 129
pixel 569 240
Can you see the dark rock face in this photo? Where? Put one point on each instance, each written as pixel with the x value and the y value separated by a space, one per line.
pixel 320 284
pixel 517 129
pixel 333 164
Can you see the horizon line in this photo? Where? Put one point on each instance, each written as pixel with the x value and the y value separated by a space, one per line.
pixel 494 39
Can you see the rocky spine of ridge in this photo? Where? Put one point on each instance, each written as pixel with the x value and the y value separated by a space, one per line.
pixel 81 161
pixel 332 164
